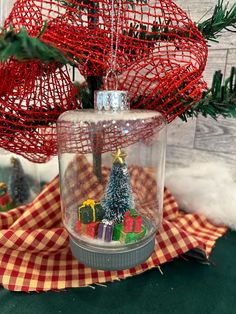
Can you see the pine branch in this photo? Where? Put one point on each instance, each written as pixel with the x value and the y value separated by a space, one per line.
pixel 222 18
pixel 23 47
pixel 219 100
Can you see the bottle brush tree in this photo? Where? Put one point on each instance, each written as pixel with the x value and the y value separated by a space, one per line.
pixel 18 184
pixel 118 197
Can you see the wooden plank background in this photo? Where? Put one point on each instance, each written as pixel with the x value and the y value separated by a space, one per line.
pixel 205 139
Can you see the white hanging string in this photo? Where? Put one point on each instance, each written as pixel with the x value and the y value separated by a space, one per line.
pixel 114 41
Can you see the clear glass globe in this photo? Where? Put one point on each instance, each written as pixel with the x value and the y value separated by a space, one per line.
pixel 112 180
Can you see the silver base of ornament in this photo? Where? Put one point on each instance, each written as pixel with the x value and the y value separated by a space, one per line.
pixel 111 100
pixel 116 260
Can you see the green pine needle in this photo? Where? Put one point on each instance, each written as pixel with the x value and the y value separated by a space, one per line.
pixel 219 100
pixel 222 18
pixel 23 47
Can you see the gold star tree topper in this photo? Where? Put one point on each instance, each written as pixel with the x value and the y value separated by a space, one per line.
pixel 119 156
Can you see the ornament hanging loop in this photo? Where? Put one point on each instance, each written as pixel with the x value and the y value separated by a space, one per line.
pixel 114 43
pixel 112 100
pixel 111 72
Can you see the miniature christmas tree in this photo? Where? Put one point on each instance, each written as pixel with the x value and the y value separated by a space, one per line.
pixel 18 185
pixel 118 197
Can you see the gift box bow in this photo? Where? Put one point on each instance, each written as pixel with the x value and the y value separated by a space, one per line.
pixel 107 222
pixel 89 203
pixel 132 213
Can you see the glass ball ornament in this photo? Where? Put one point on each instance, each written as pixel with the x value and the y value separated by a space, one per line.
pixel 111 165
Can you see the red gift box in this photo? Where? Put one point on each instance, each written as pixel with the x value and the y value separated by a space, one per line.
pixel 132 222
pixel 5 199
pixel 89 230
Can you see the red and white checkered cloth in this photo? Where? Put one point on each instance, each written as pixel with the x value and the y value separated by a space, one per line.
pixel 35 254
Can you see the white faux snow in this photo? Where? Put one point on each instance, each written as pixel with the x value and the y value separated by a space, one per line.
pixel 207 188
pixel 49 170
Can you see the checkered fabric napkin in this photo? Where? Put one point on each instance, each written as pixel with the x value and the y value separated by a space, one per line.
pixel 34 248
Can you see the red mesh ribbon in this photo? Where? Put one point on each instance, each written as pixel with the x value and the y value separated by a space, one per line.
pixel 160 56
pixel 32 96
pixel 105 136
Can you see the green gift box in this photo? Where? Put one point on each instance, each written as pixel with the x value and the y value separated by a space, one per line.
pixel 90 211
pixel 126 238
pixel 117 232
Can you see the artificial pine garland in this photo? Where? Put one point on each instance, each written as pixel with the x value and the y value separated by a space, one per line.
pixel 23 47
pixel 222 18
pixel 218 100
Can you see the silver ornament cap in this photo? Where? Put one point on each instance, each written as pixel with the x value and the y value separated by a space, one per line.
pixel 111 100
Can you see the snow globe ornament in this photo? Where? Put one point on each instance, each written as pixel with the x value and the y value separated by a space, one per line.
pixel 111 163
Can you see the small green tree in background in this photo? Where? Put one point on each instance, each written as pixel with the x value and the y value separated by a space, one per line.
pixel 18 185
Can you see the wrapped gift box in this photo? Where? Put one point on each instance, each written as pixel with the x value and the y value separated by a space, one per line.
pixel 105 230
pixel 116 232
pixel 132 236
pixel 90 211
pixel 89 230
pixel 132 222
pixel 127 237
pixel 5 199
